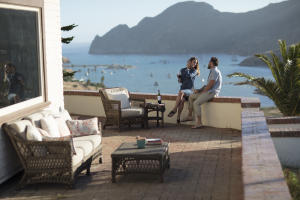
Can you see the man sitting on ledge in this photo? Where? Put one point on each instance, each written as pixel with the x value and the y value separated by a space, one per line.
pixel 211 90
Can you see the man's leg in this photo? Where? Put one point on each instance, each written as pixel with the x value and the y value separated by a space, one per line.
pixel 203 98
pixel 192 98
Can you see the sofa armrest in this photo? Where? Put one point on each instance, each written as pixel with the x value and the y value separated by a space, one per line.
pixel 47 149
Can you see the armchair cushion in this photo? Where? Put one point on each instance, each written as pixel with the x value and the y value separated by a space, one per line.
pixel 121 96
pixel 132 112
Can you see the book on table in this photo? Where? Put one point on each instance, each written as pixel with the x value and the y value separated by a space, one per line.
pixel 154 141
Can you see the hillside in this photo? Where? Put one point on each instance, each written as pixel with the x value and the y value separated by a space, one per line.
pixel 196 27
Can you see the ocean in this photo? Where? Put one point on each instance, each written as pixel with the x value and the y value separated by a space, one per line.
pixel 153 72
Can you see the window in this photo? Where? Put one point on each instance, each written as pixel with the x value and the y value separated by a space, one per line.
pixel 21 66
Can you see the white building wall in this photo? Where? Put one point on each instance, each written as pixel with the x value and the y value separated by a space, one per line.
pixel 9 162
pixel 53 53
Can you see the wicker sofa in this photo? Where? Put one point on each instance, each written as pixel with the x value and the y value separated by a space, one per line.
pixel 120 109
pixel 52 161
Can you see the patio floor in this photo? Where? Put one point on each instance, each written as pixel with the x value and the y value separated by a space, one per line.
pixel 205 164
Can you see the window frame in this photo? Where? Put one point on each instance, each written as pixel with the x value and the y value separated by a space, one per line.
pixel 39 102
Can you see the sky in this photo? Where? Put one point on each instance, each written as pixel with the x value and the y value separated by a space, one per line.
pixel 96 17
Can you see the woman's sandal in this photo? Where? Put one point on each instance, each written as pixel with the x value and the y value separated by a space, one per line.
pixel 171 114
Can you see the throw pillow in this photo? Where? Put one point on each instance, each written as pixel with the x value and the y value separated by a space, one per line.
pixel 49 124
pixel 62 127
pixel 33 134
pixel 43 133
pixel 83 127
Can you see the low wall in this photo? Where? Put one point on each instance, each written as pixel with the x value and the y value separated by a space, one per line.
pixel 262 173
pixel 221 112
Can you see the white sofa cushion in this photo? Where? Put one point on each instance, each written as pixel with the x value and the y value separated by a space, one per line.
pixel 78 158
pixel 63 114
pixel 94 139
pixel 33 134
pixel 35 119
pixel 85 145
pixel 121 96
pixel 132 112
pixel 62 127
pixel 20 127
pixel 49 124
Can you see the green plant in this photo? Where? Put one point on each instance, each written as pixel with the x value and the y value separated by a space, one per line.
pixel 67 40
pixel 67 76
pixel 293 183
pixel 284 90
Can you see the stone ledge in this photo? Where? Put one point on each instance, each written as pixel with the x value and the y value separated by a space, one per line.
pixel 283 120
pixel 245 102
pixel 262 173
pixel 285 133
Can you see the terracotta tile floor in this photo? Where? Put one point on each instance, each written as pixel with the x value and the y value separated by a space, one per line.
pixel 205 164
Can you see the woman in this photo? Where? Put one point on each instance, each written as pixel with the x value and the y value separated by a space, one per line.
pixel 186 77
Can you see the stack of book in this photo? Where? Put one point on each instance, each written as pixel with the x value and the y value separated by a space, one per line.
pixel 154 141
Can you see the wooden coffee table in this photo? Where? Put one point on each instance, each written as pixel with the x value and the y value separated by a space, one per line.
pixel 128 159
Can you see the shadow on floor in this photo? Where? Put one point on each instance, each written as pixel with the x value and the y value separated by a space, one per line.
pixel 194 174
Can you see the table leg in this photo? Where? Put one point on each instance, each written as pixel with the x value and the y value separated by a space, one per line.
pixel 113 170
pixel 146 118
pixel 162 119
pixel 161 163
pixel 157 118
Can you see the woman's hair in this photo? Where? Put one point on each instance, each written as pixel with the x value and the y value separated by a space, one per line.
pixel 215 61
pixel 196 67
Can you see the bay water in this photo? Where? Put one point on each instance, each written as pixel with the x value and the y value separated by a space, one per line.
pixel 153 72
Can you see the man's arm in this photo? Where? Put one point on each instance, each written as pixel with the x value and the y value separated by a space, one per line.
pixel 209 85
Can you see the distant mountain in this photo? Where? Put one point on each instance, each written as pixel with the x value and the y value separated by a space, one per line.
pixel 254 61
pixel 196 27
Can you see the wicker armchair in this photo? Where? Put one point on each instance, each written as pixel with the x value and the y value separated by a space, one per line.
pixel 118 114
pixel 50 161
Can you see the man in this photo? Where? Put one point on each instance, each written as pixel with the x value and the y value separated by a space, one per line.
pixel 16 84
pixel 211 90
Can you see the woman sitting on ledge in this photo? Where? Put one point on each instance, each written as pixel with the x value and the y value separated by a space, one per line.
pixel 186 77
